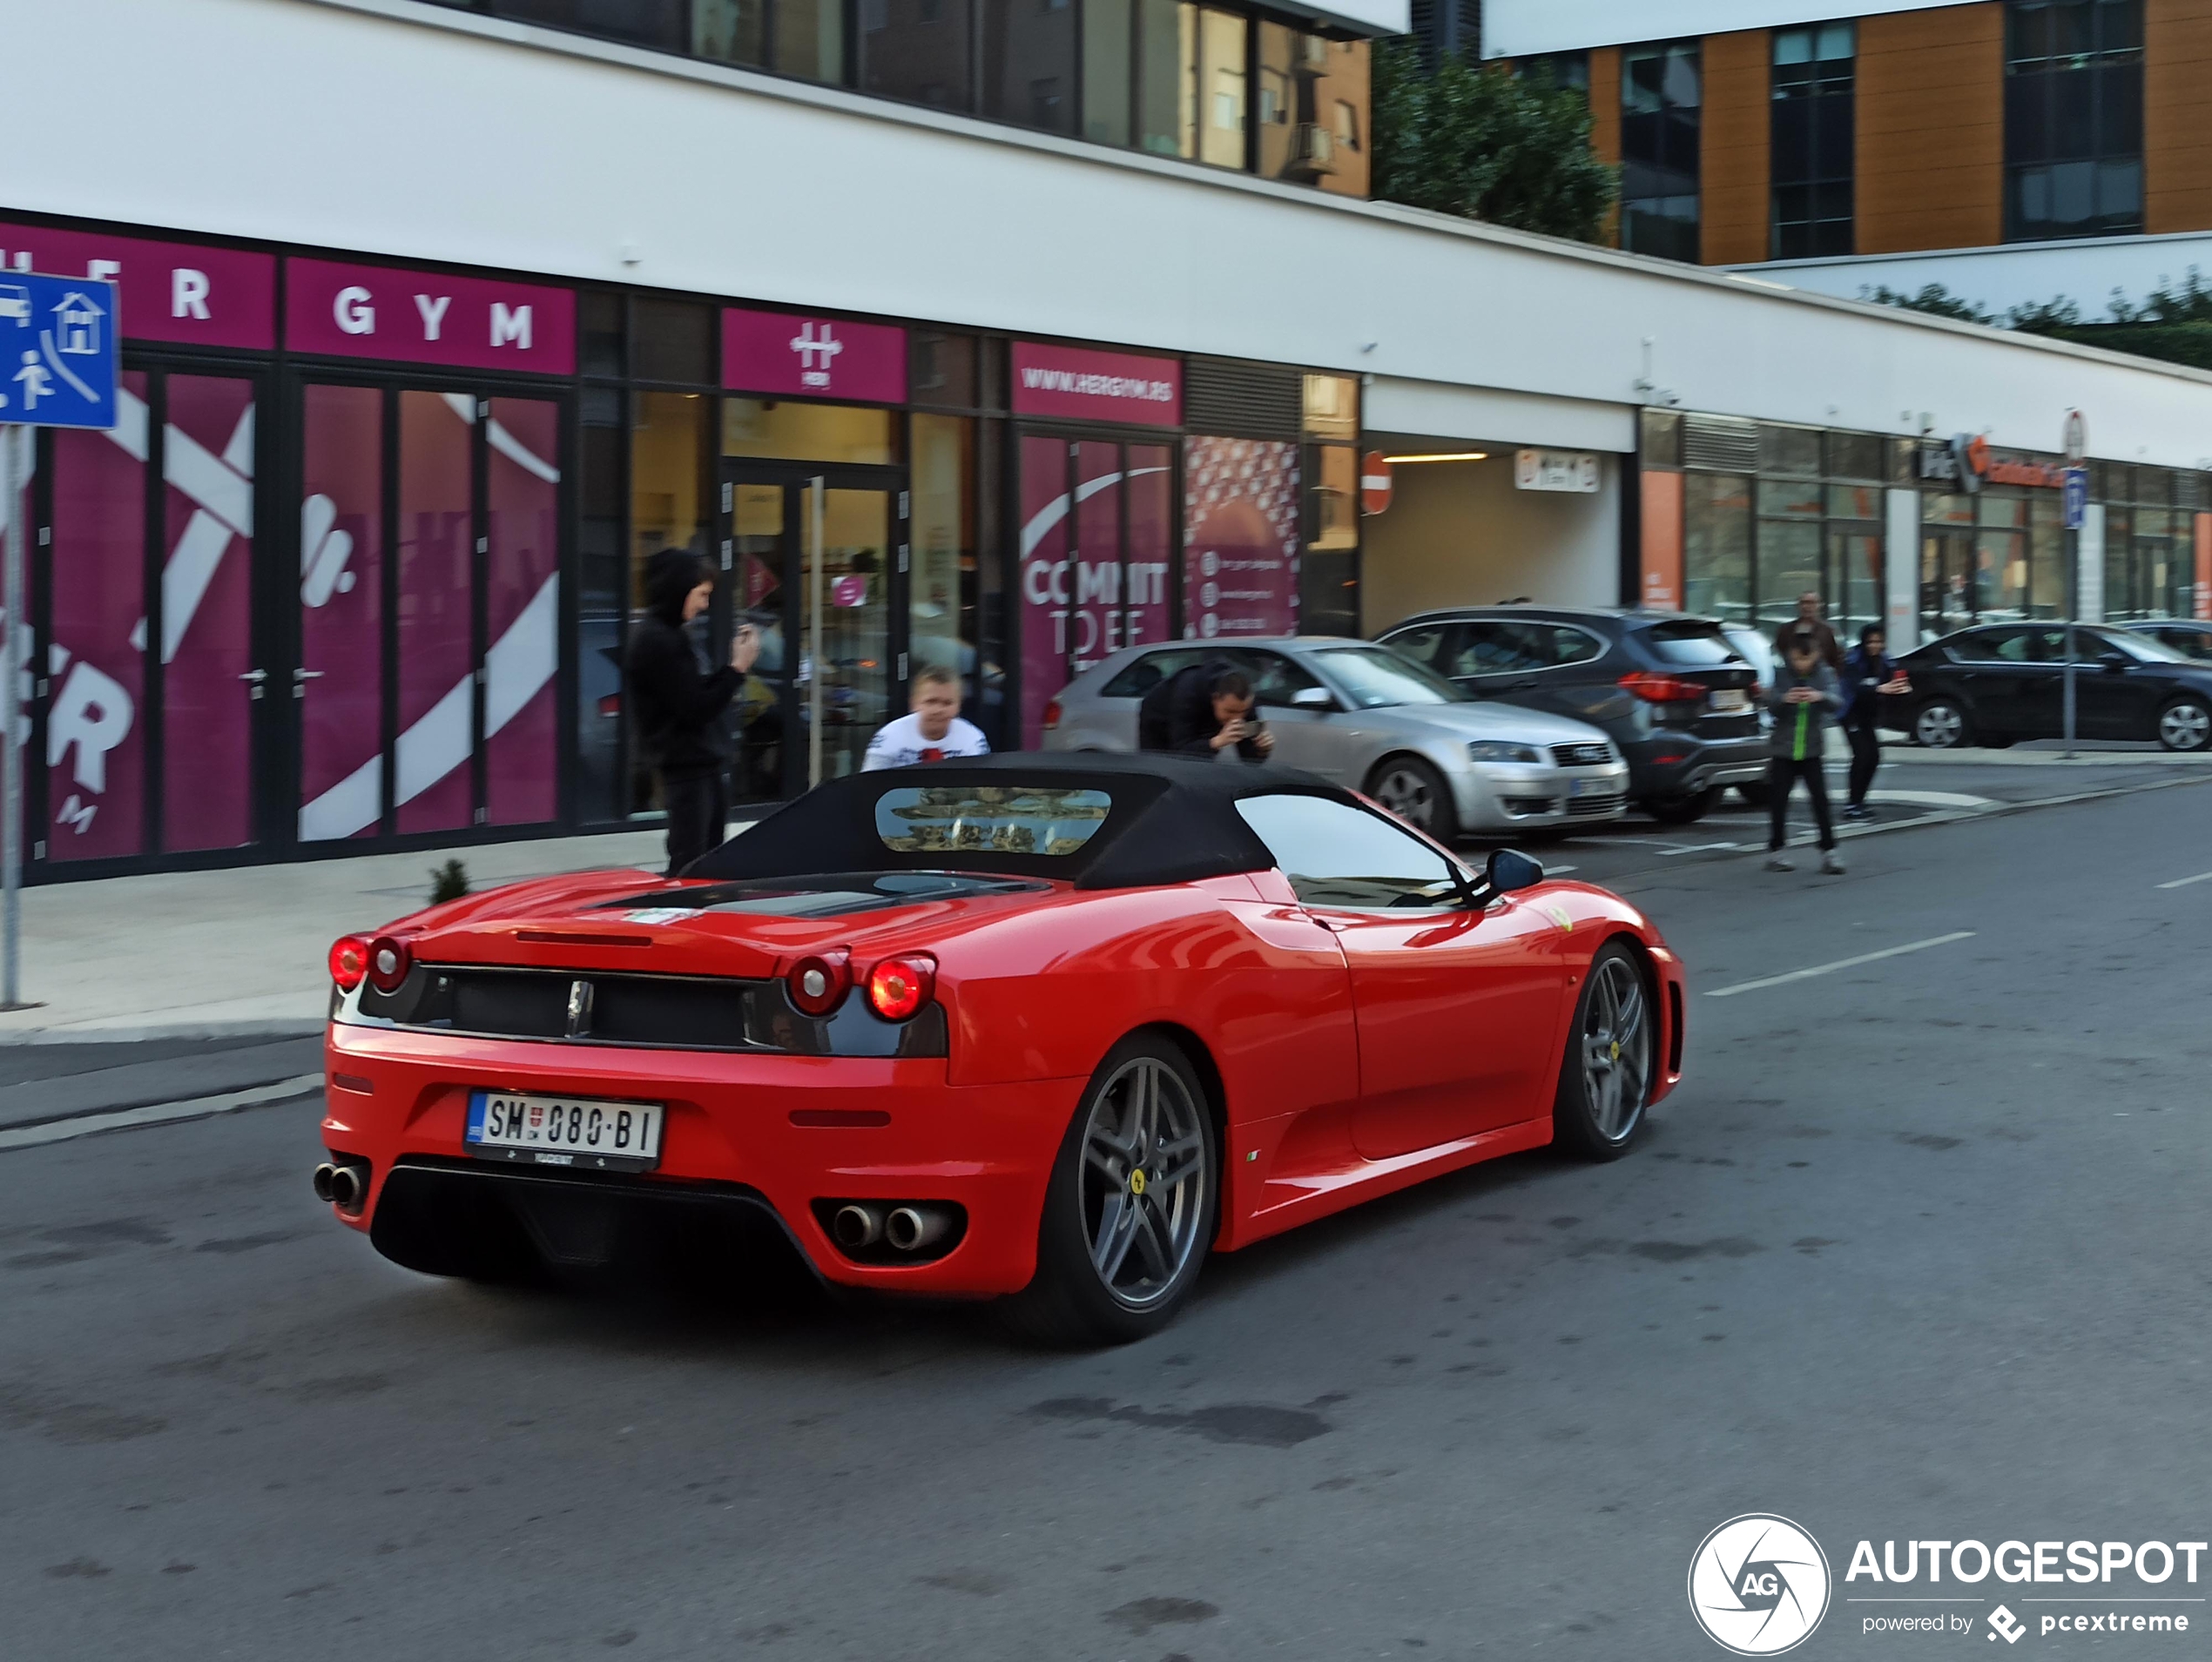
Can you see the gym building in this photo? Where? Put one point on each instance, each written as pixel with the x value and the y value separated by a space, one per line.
pixel 994 334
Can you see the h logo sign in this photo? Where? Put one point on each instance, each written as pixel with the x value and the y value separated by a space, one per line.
pixel 817 351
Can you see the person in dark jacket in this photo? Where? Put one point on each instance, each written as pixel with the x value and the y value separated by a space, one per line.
pixel 1201 710
pixel 677 699
pixel 1866 671
pixel 1804 699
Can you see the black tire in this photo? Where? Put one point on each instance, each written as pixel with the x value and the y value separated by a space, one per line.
pixel 1685 810
pixel 1940 724
pixel 1415 791
pixel 1584 1125
pixel 2186 726
pixel 1756 795
pixel 1072 1300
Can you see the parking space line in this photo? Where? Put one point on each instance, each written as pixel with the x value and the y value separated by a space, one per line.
pixel 2184 883
pixel 84 1125
pixel 1840 964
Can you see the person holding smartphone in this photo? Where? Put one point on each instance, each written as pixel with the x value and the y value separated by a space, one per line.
pixel 1804 700
pixel 1203 710
pixel 677 698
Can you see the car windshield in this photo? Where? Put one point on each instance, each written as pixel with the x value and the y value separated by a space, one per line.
pixel 2149 648
pixel 1006 819
pixel 1376 678
pixel 1689 641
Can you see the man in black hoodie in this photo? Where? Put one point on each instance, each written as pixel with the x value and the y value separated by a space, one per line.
pixel 677 699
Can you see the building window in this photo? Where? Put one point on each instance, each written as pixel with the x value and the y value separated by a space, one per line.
pixel 1029 62
pixel 1660 102
pixel 920 51
pixel 2073 118
pixel 1568 71
pixel 1813 123
pixel 1216 127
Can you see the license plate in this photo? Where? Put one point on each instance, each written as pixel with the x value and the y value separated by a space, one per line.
pixel 1595 788
pixel 1729 698
pixel 565 1131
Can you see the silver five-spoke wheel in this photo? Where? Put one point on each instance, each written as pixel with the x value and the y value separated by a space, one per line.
pixel 1144 1181
pixel 2185 726
pixel 1939 726
pixel 1617 1047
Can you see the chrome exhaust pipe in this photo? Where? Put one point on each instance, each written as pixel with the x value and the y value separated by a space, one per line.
pixel 856 1228
pixel 909 1229
pixel 348 1190
pixel 324 1173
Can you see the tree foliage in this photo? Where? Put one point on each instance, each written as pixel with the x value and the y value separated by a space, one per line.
pixel 1485 143
pixel 2171 324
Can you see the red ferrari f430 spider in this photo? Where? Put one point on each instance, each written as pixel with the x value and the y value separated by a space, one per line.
pixel 1043 1029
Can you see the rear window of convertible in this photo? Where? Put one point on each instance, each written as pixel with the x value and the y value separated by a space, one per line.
pixel 1009 819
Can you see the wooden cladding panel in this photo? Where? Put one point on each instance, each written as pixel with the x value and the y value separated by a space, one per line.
pixel 1738 125
pixel 2177 138
pixel 1605 120
pixel 1931 154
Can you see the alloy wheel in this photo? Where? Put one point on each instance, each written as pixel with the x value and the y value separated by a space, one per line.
pixel 1939 727
pixel 2185 727
pixel 1406 794
pixel 1144 1178
pixel 1616 1048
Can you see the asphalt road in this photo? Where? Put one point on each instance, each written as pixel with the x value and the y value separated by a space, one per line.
pixel 1918 1252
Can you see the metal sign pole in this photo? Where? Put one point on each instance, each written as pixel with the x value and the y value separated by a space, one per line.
pixel 17 715
pixel 815 643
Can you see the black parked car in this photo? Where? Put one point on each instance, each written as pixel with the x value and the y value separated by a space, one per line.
pixel 1671 690
pixel 2006 682
pixel 2190 636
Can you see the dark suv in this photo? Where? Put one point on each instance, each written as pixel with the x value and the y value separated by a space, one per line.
pixel 1669 690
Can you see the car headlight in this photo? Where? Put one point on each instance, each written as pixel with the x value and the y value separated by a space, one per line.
pixel 1495 750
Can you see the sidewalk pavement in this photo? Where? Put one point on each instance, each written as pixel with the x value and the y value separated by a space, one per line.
pixel 192 954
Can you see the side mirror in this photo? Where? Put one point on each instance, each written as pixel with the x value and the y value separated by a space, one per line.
pixel 1510 870
pixel 2113 662
pixel 1313 698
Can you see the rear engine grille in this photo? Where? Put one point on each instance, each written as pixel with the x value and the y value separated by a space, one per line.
pixel 646 1011
pixel 1582 756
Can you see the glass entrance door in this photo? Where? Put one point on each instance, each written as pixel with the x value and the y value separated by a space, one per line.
pixel 1948 597
pixel 817 575
pixel 423 691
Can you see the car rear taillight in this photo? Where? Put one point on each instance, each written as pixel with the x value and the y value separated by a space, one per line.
pixel 818 982
pixel 901 985
pixel 389 962
pixel 610 705
pixel 1051 715
pixel 1663 689
pixel 348 961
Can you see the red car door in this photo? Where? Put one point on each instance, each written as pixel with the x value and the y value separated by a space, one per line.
pixel 1457 1011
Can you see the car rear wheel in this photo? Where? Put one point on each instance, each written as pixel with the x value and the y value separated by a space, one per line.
pixel 1684 809
pixel 1605 1078
pixel 1130 1206
pixel 1940 725
pixel 2185 725
pixel 1415 791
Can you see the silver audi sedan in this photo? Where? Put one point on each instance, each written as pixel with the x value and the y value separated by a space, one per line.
pixel 1359 713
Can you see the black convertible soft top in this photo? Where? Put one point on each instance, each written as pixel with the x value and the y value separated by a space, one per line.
pixel 1173 819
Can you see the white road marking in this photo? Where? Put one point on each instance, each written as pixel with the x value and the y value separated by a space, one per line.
pixel 155 1113
pixel 1840 964
pixel 2184 883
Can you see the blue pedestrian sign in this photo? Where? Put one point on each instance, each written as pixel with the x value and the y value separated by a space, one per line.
pixel 2077 496
pixel 58 351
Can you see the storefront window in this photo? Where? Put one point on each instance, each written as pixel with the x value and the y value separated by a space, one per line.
pixel 670 507
pixel 434 626
pixel 1329 577
pixel 944 370
pixel 1788 566
pixel 1716 546
pixel 943 597
pixel 672 340
pixel 917 49
pixel 599 605
pixel 1029 62
pixel 779 427
pixel 1331 407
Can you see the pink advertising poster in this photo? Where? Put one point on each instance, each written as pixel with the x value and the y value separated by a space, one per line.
pixel 1240 555
pixel 1046 590
pixel 171 291
pixel 1081 383
pixel 789 352
pixel 429 318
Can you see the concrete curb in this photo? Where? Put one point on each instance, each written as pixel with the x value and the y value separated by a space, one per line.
pixel 136 1033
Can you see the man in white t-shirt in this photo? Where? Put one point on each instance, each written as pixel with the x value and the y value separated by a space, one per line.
pixel 935 732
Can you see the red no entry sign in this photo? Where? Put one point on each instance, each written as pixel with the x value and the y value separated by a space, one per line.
pixel 1374 483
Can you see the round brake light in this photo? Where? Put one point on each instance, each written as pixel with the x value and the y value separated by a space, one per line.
pixel 818 982
pixel 899 986
pixel 348 961
pixel 389 962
